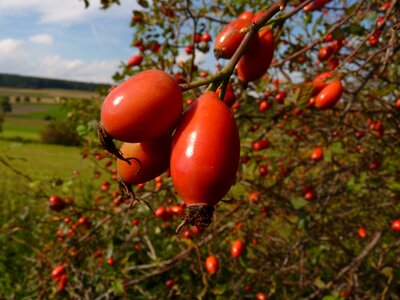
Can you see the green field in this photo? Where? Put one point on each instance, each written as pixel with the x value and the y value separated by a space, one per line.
pixel 36 165
pixel 26 121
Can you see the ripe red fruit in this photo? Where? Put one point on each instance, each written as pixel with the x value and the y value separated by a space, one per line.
pixel 230 38
pixel 325 53
pixel 373 41
pixel 258 56
pixel 56 203
pixel 246 15
pixel 206 37
pixel 328 38
pixel 317 154
pixel 396 225
pixel 386 6
pixel 155 47
pixel 397 105
pixel 205 155
pixel 170 283
pixel 333 63
pixel 63 282
pixel 374 165
pixel 189 49
pixel 230 96
pixel 58 271
pixel 309 195
pixel 160 212
pixel 380 21
pixel 254 197
pixel 362 232
pixel 263 170
pixel 258 16
pixel 135 60
pixel 280 97
pixel 316 5
pixel 111 261
pixel 261 296
pixel 151 159
pixel 136 111
pixel 177 210
pixel 237 248
pixel 260 144
pixel 264 105
pixel 320 82
pixel 337 45
pixel 212 264
pixel 329 96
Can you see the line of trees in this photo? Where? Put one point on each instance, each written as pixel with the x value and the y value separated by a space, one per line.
pixel 18 81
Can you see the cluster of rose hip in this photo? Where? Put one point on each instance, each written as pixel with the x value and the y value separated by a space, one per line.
pixel 200 147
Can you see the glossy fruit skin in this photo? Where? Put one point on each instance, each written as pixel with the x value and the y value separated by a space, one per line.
pixel 229 97
pixel 212 264
pixel 143 107
pixel 206 37
pixel 317 154
pixel 316 5
pixel 237 248
pixel 135 60
pixel 362 232
pixel 280 97
pixel 56 203
pixel 329 96
pixel 205 151
pixel 397 104
pixel 260 144
pixel 325 53
pixel 153 156
pixel 396 225
pixel 257 58
pixel 320 82
pixel 58 271
pixel 261 296
pixel 246 15
pixel 230 38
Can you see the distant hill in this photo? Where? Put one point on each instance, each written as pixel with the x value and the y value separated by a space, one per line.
pixel 30 82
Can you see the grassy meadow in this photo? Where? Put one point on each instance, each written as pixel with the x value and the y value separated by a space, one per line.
pixel 25 163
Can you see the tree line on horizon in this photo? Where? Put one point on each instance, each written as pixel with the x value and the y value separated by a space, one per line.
pixel 20 81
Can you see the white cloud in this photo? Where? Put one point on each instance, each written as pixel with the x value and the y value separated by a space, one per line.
pixel 61 12
pixel 59 67
pixel 9 46
pixel 42 39
pixel 15 58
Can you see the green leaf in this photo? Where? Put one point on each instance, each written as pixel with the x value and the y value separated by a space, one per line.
pixel 319 283
pixel 117 287
pixel 82 130
pixel 394 186
pixel 304 96
pixel 143 3
pixel 298 202
pixel 388 272
pixel 355 29
pixel 251 271
pixel 337 148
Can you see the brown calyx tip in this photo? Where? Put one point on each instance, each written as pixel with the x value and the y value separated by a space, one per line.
pixel 217 53
pixel 197 215
pixel 108 144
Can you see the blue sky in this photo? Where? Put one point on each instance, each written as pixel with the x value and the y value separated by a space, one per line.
pixel 62 39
